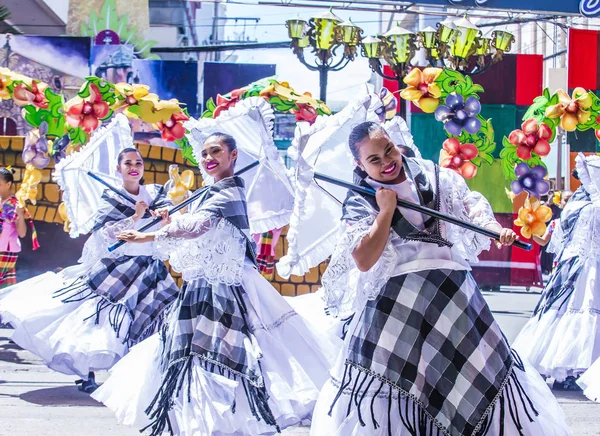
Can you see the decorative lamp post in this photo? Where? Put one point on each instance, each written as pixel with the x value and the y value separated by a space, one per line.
pixel 464 45
pixel 501 41
pixel 324 33
pixel 455 44
pixel 483 49
pixel 446 35
pixel 349 34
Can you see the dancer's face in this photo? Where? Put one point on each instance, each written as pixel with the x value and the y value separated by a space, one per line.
pixel 380 158
pixel 131 167
pixel 217 160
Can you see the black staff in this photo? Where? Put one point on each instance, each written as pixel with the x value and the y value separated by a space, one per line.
pixel 423 210
pixel 112 188
pixel 181 205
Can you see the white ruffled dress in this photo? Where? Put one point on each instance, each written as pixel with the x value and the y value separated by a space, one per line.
pixel 294 360
pixel 69 337
pixel 337 412
pixel 564 340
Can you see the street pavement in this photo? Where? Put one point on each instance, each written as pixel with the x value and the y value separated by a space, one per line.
pixel 35 401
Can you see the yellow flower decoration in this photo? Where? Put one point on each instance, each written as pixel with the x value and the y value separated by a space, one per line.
pixel 152 110
pixel 28 190
pixel 284 91
pixel 556 198
pixel 571 110
pixel 276 88
pixel 533 218
pixel 5 81
pixel 131 94
pixel 179 184
pixel 422 89
pixel 62 211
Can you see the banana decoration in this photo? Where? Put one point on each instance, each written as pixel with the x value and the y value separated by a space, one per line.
pixel 179 185
pixel 62 211
pixel 28 191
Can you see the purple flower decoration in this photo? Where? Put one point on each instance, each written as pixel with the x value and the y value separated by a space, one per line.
pixel 35 151
pixel 59 148
pixel 388 107
pixel 459 114
pixel 530 180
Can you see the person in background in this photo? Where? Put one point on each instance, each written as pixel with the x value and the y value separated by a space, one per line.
pixel 12 227
pixel 545 239
pixel 562 338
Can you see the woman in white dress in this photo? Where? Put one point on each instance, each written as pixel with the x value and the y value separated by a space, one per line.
pixel 562 338
pixel 423 355
pixel 234 358
pixel 86 317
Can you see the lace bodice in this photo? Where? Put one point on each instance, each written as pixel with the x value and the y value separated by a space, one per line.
pixel 459 201
pixel 204 245
pixel 584 239
pixel 96 247
pixel 347 289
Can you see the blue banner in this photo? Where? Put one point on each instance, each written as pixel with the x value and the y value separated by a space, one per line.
pixel 588 8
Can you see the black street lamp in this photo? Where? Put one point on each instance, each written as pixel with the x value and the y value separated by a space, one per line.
pixel 325 33
pixel 458 45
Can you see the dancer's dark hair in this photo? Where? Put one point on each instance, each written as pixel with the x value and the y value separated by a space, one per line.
pixel 7 175
pixel 226 139
pixel 360 133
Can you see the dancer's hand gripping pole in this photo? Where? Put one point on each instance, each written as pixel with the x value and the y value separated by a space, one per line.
pixel 424 210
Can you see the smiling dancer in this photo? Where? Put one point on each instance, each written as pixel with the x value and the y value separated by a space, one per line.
pixel 86 318
pixel 234 359
pixel 423 355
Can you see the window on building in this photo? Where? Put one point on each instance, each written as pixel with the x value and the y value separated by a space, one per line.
pixel 8 127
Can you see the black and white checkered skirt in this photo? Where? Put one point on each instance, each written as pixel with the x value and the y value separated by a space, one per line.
pixel 427 358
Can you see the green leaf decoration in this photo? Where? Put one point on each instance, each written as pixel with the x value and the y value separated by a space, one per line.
pixel 554 99
pixel 107 90
pixel 186 150
pixel 53 115
pixel 451 81
pixel 210 105
pixel 281 105
pixel 537 109
pixel 510 159
pixel 483 140
pixel 31 115
pixel 77 136
pixel 108 115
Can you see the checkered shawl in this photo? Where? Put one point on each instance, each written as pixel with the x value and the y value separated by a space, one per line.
pixel 429 335
pixel 209 325
pixel 115 208
pixel 429 196
pixel 137 287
